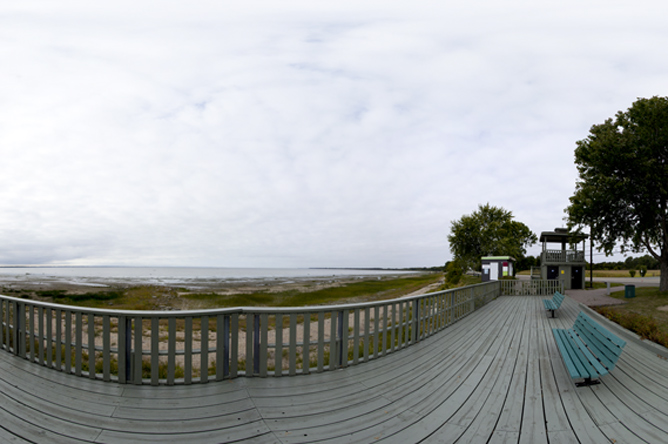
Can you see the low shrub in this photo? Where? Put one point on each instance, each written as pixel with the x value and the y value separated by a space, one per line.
pixel 644 326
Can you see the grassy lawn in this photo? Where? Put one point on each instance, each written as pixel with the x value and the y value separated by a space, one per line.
pixel 641 314
pixel 621 273
pixel 608 273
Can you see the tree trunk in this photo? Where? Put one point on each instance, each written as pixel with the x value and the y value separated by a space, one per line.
pixel 663 281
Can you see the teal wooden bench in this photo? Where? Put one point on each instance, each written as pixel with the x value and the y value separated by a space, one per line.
pixel 554 303
pixel 588 350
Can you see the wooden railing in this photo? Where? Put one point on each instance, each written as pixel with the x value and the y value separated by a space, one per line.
pixel 531 287
pixel 548 256
pixel 185 347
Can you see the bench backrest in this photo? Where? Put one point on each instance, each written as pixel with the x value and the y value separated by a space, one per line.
pixel 603 344
pixel 558 298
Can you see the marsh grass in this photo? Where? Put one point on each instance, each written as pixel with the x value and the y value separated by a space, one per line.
pixel 369 290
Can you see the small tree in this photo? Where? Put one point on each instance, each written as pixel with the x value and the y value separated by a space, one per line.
pixel 643 270
pixel 632 273
pixel 489 231
pixel 453 272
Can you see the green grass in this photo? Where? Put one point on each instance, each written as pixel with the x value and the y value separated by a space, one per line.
pixel 641 314
pixel 463 282
pixel 609 273
pixel 621 273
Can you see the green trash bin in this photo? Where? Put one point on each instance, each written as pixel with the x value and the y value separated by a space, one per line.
pixel 629 291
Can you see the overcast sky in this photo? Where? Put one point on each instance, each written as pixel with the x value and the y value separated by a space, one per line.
pixel 300 133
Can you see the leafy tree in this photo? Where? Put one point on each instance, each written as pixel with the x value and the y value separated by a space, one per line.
pixel 622 191
pixel 489 231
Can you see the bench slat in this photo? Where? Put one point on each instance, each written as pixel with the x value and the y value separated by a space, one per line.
pixel 602 331
pixel 598 345
pixel 594 366
pixel 569 355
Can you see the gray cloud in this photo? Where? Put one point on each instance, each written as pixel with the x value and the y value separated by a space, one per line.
pixel 340 135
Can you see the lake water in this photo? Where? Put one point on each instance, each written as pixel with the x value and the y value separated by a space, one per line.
pixel 187 276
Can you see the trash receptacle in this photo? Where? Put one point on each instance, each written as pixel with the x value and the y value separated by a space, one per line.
pixel 629 291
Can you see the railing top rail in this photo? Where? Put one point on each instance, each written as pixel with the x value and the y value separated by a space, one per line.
pixel 233 310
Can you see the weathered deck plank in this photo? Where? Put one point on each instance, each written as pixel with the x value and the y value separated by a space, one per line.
pixel 495 376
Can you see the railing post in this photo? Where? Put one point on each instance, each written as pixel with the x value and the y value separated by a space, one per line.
pixel 256 344
pixel 226 346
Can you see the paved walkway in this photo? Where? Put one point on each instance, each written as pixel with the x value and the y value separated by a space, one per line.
pixel 599 296
pixel 496 376
pixel 595 297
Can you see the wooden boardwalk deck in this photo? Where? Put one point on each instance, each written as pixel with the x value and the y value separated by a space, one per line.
pixel 494 377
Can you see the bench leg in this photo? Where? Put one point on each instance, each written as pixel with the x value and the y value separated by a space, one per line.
pixel 552 313
pixel 588 382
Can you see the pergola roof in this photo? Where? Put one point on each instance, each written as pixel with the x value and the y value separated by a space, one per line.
pixel 560 235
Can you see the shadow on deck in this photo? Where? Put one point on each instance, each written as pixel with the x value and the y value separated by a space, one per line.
pixel 495 376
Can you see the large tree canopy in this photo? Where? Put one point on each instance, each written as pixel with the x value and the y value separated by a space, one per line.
pixel 622 191
pixel 489 231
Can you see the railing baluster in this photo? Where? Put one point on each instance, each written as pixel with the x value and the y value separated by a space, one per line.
pixel 234 346
pixel 59 339
pixel 343 337
pixel 383 349
pixel 356 335
pixel 321 341
pixel 250 321
pixel 367 327
pixel 393 326
pixel 171 351
pixel 137 356
pixel 188 350
pixel 155 350
pixel 256 344
pixel 91 345
pixel 106 348
pixel 293 345
pixel 204 349
pixel 278 349
pixel 40 357
pixel 78 341
pixel 264 337
pixel 376 336
pixel 306 347
pixel 31 335
pixel 124 375
pixel 333 349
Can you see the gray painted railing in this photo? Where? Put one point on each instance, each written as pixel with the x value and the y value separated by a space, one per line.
pixel 562 256
pixel 531 287
pixel 170 347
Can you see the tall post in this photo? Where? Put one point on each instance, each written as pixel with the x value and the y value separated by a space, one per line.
pixel 591 259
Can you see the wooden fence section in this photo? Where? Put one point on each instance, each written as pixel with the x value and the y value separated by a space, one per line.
pixel 186 347
pixel 532 287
